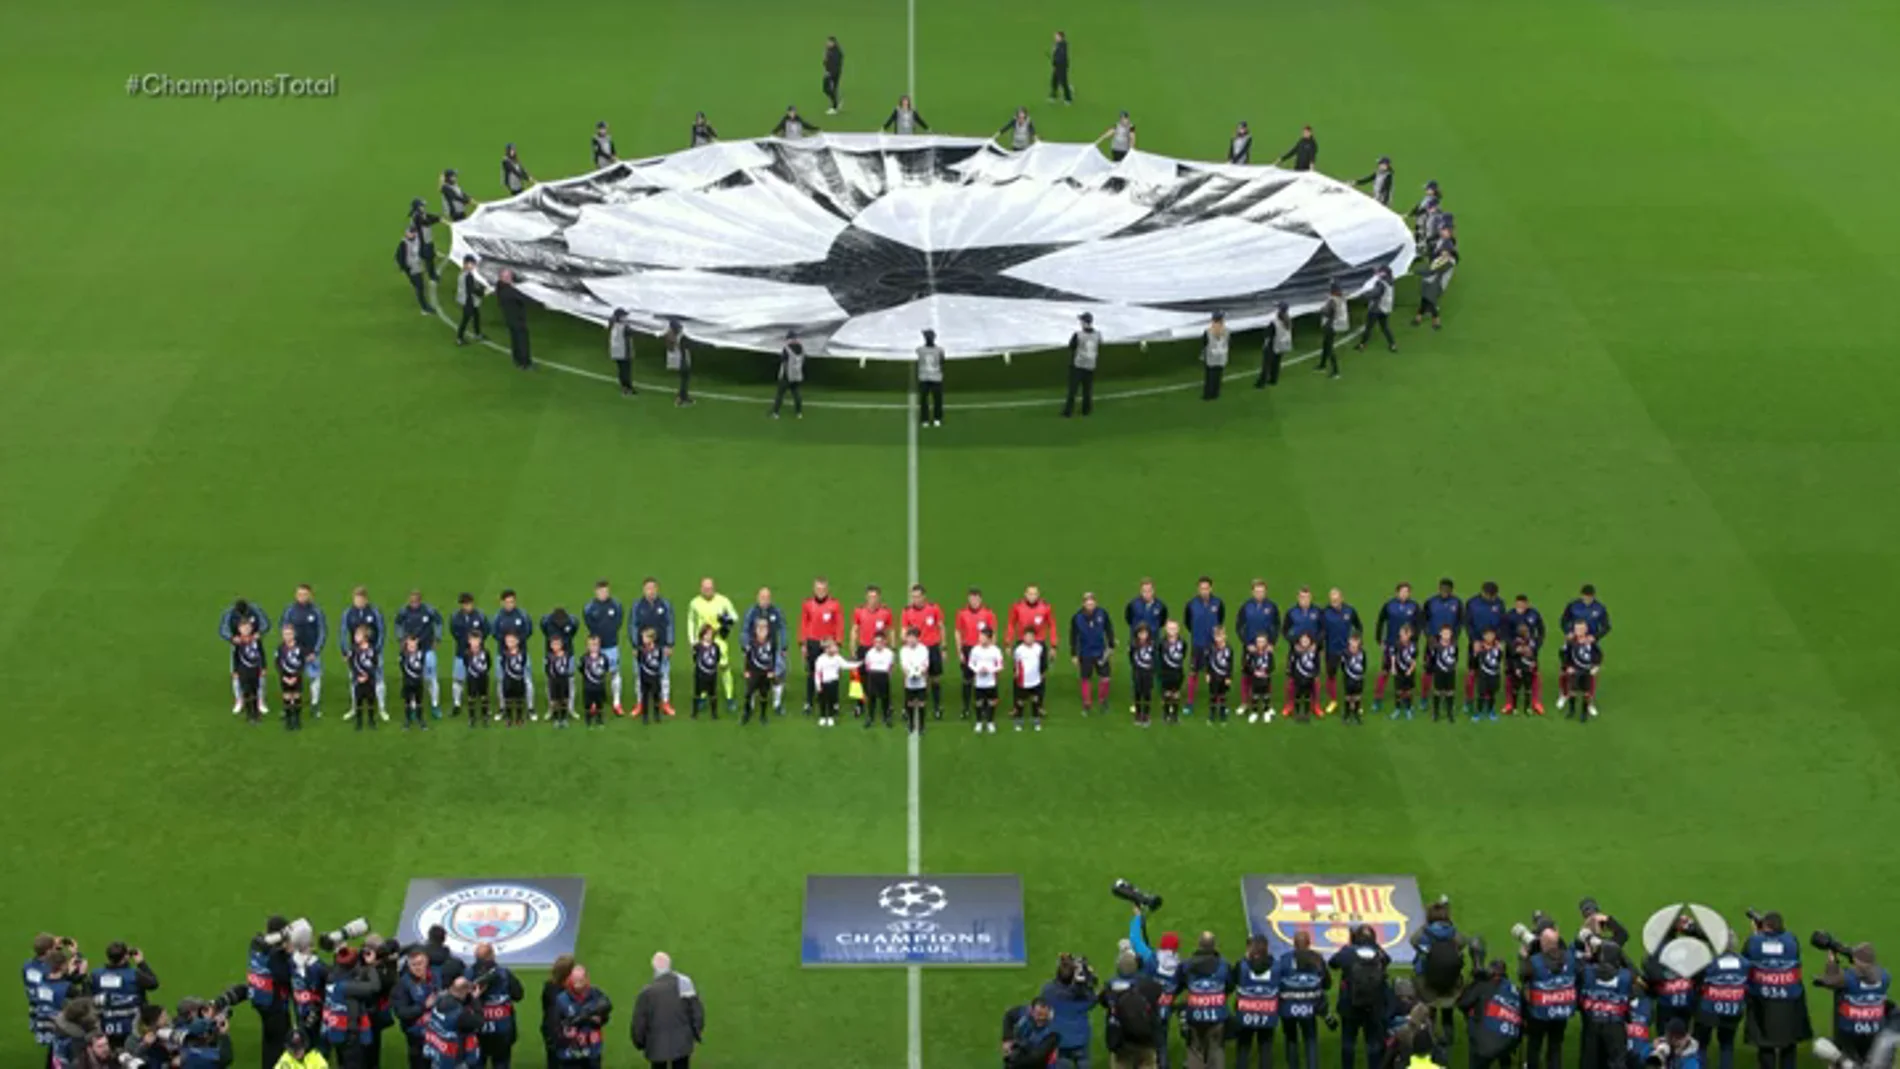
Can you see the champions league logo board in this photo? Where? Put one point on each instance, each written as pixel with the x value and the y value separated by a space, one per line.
pixel 913 920
pixel 530 920
pixel 1330 907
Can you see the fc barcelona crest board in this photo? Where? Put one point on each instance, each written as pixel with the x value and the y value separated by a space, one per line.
pixel 529 920
pixel 1329 907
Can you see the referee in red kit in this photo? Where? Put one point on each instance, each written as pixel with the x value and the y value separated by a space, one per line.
pixel 821 620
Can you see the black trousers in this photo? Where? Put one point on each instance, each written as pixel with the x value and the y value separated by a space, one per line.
pixel 1083 379
pixel 1326 354
pixel 1253 1048
pixel 1302 1042
pixel 495 1052
pixel 471 317
pixel 1269 369
pixel 1547 1035
pixel 1605 1045
pixel 1426 307
pixel 1724 1035
pixel 422 294
pixel 831 89
pixel 1059 83
pixel 677 1063
pixel 428 260
pixel 1488 1061
pixel 686 378
pixel 812 650
pixel 930 401
pixel 276 1030
pixel 624 369
pixel 1382 321
pixel 1210 382
pixel 798 398
pixel 1775 1057
pixel 1354 1025
pixel 518 344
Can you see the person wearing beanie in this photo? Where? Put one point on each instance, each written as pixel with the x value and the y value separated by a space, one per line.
pixel 1860 989
pixel 1256 1005
pixel 1378 294
pixel 620 350
pixel 1380 180
pixel 1604 991
pixel 455 202
pixel 1132 1000
pixel 514 176
pixel 1085 346
pixel 410 261
pixel 421 222
pixel 1205 988
pixel 469 291
pixel 930 381
pixel 1273 349
pixel 1335 321
pixel 353 985
pixel 1304 981
pixel 1214 344
pixel 1162 964
pixel 1240 146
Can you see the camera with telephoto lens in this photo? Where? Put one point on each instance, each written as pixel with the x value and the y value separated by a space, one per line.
pixel 356 929
pixel 1754 916
pixel 129 1060
pixel 235 995
pixel 1126 891
pixel 1824 940
pixel 1830 1054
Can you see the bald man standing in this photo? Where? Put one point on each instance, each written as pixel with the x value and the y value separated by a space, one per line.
pixel 668 1019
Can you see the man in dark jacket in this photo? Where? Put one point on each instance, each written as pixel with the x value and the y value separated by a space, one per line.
pixel 514 312
pixel 668 1019
pixel 1070 996
pixel 1133 1001
pixel 435 946
pixel 1494 1015
pixel 1364 996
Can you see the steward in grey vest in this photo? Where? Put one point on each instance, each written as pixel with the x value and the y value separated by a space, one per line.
pixel 620 350
pixel 930 381
pixel 1020 130
pixel 1334 319
pixel 1085 345
pixel 791 376
pixel 1214 343
pixel 1278 343
pixel 679 358
pixel 904 119
pixel 469 291
pixel 513 175
pixel 1378 294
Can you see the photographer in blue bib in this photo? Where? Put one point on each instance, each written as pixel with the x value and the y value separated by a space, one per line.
pixel 1777 1018
pixel 1860 989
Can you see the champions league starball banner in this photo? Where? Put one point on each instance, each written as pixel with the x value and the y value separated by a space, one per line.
pixel 913 920
pixel 530 920
pixel 861 241
pixel 1330 907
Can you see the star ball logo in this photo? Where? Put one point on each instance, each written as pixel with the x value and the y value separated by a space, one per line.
pixel 913 900
pixel 513 917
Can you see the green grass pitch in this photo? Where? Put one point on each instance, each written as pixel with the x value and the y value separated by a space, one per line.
pixel 1667 368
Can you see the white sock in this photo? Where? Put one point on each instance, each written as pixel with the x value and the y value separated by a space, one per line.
pixel 778 695
pixel 237 692
pixel 316 690
pixel 666 686
pixel 435 692
pixel 530 682
pixel 382 697
pixel 616 688
pixel 455 692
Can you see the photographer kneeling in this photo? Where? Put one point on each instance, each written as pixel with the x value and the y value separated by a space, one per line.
pixel 1860 994
pixel 1675 1050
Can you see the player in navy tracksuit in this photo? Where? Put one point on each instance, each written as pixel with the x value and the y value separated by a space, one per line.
pixel 1338 623
pixel 604 616
pixel 1301 619
pixel 1523 621
pixel 1484 612
pixel 1146 610
pixel 1398 611
pixel 1258 616
pixel 1443 610
pixel 420 620
pixel 467 621
pixel 1205 614
pixel 363 614
pixel 1589 610
pixel 1091 647
pixel 313 630
pixel 242 609
pixel 511 620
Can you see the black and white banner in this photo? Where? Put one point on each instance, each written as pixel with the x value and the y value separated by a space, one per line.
pixel 861 241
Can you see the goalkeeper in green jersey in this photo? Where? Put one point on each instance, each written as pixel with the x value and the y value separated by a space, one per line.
pixel 713 609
